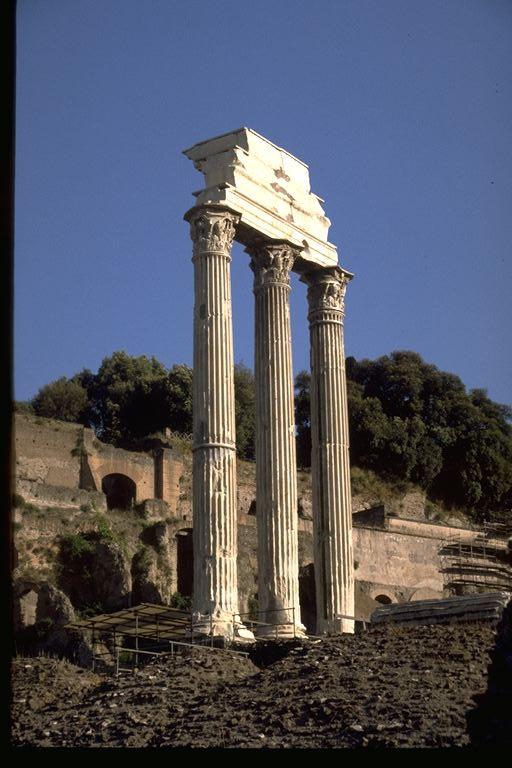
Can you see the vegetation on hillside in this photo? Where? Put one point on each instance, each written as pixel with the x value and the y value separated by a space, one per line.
pixel 409 421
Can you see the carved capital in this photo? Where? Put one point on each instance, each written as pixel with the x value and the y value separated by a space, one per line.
pixel 212 230
pixel 326 293
pixel 272 263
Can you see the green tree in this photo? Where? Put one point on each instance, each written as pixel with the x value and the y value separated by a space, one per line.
pixel 303 418
pixel 63 399
pixel 179 398
pixel 411 421
pixel 244 411
pixel 129 397
pixel 23 406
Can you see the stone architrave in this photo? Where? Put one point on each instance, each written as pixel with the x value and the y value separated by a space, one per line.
pixel 215 600
pixel 276 478
pixel 268 188
pixel 330 466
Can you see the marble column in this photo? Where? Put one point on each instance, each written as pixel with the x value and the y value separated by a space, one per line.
pixel 330 464
pixel 276 473
pixel 215 599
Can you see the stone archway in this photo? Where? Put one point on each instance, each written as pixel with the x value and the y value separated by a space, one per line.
pixel 426 593
pixel 120 490
pixel 185 561
pixel 383 599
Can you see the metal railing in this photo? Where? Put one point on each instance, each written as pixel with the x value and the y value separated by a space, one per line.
pixel 135 652
pixel 274 626
pixel 251 623
pixel 364 622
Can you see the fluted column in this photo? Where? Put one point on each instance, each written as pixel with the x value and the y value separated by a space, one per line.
pixel 215 597
pixel 330 464
pixel 276 474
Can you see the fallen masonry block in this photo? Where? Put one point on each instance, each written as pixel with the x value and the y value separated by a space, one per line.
pixel 486 606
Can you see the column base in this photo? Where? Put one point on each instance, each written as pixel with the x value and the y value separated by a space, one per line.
pixel 281 632
pixel 224 625
pixel 335 627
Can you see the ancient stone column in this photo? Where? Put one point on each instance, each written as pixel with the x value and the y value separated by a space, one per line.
pixel 276 474
pixel 215 597
pixel 330 465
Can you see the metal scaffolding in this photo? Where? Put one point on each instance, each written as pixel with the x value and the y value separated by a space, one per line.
pixel 477 564
pixel 146 630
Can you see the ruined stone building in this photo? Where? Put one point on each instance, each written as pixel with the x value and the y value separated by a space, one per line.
pixel 62 470
pixel 316 571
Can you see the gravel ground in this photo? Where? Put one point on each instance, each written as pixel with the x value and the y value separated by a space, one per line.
pixel 389 687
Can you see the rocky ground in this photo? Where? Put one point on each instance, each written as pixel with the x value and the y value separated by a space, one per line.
pixel 389 687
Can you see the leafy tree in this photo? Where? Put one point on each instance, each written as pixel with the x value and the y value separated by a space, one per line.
pixel 179 398
pixel 410 421
pixel 244 411
pixel 63 399
pixel 303 418
pixel 128 396
pixel 131 397
pixel 23 406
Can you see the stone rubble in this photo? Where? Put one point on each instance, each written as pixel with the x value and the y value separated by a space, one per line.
pixel 389 687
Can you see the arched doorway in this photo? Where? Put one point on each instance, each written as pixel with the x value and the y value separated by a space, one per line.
pixel 383 599
pixel 120 491
pixel 185 562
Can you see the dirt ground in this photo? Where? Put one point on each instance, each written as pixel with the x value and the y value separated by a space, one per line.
pixel 388 687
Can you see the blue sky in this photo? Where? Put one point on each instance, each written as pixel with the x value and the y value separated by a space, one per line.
pixel 401 108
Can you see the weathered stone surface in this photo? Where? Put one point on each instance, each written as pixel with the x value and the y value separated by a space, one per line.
pixel 36 601
pixel 60 464
pixel 40 613
pixel 103 579
pixel 268 188
pixel 214 467
pixel 111 576
pixel 276 479
pixel 388 687
pixel 330 464
pixel 154 509
pixel 45 450
pixel 261 194
pixel 479 607
pixel 43 495
pixel 147 583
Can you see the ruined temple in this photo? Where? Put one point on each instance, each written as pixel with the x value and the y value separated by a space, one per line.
pixel 230 536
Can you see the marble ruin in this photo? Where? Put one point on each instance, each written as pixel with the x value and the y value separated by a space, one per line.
pixel 259 195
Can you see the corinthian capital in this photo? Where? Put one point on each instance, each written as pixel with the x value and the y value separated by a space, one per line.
pixel 212 229
pixel 272 263
pixel 326 292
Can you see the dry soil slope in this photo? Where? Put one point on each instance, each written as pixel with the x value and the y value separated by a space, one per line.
pixel 388 687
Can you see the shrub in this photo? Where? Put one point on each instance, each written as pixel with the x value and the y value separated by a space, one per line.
pixel 63 399
pixel 253 607
pixel 19 502
pixel 141 562
pixel 181 602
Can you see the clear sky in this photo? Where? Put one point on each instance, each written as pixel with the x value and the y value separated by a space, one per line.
pixel 401 108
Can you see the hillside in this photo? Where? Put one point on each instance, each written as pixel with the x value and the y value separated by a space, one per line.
pixel 409 422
